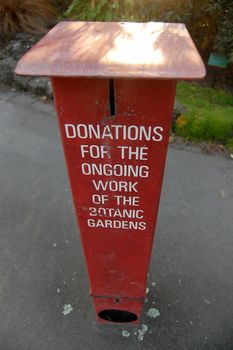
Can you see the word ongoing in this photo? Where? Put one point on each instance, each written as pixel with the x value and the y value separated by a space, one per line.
pixel 118 170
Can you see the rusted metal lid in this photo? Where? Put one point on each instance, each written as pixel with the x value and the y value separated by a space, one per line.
pixel 102 49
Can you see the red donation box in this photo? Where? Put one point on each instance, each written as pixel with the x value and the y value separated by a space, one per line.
pixel 114 87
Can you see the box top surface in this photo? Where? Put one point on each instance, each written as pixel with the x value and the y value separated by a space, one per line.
pixel 104 49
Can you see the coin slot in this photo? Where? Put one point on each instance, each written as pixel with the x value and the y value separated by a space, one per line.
pixel 112 98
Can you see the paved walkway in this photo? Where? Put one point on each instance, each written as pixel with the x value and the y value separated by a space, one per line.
pixel 41 263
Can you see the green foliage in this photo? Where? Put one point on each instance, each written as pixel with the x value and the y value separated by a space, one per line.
pixel 209 114
pixel 101 10
pixel 61 5
pixel 147 10
pixel 223 40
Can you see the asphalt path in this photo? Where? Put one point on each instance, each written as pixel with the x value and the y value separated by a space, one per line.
pixel 44 300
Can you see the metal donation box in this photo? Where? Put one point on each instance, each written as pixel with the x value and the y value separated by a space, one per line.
pixel 114 87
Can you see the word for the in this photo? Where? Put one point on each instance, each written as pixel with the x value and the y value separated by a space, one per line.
pixel 103 151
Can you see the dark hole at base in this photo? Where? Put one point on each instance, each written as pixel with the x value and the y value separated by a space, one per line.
pixel 117 316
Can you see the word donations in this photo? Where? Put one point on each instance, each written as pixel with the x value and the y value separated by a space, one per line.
pixel 114 132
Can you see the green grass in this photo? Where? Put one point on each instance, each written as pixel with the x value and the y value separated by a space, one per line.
pixel 209 114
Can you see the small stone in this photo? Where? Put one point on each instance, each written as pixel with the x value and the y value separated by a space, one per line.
pixel 152 312
pixel 207 301
pixel 178 109
pixel 67 308
pixel 147 290
pixel 171 139
pixel 54 245
pixel 153 284
pixel 7 66
pixel 231 155
pixel 222 194
pixel 142 331
pixel 58 290
pixel 125 334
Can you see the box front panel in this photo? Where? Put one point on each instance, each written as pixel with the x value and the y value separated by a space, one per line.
pixel 115 136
